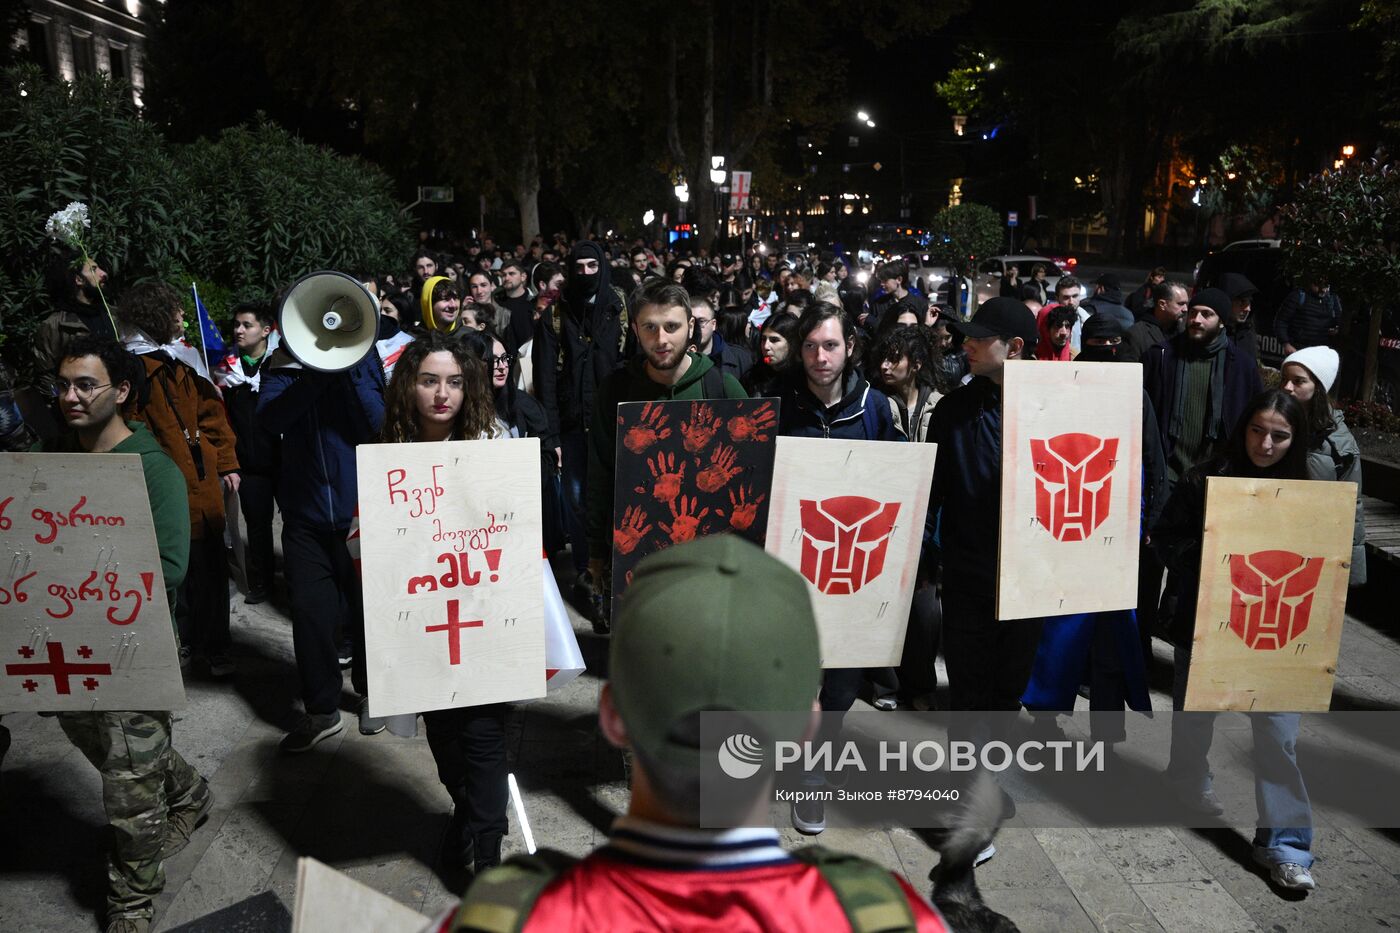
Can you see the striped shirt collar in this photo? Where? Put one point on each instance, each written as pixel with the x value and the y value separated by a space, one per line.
pixel 689 847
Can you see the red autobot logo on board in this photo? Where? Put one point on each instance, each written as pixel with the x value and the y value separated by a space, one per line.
pixel 844 540
pixel 1271 596
pixel 1073 479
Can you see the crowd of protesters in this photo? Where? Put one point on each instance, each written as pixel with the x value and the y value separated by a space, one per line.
pixel 544 340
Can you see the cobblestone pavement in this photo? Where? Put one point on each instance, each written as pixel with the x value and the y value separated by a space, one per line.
pixel 373 808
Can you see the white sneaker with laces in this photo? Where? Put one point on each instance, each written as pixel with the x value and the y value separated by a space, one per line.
pixel 1287 875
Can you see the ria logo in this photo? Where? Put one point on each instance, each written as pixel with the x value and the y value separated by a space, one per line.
pixel 844 540
pixel 740 756
pixel 1073 480
pixel 1271 596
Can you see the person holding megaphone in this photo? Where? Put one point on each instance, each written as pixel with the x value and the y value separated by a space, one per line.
pixel 323 391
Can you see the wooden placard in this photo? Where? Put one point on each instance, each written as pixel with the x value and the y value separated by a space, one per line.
pixel 1275 557
pixel 849 516
pixel 687 469
pixel 1071 488
pixel 450 565
pixel 329 901
pixel 85 622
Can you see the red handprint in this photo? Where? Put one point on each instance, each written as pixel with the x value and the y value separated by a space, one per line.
pixel 720 471
pixel 742 509
pixel 754 425
pixel 648 430
pixel 700 428
pixel 633 529
pixel 685 521
pixel 667 477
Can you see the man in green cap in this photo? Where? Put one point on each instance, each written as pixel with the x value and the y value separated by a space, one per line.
pixel 755 650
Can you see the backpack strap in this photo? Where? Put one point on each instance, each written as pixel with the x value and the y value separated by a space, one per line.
pixel 870 897
pixel 501 898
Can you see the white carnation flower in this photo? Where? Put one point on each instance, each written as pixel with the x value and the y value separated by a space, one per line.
pixel 68 224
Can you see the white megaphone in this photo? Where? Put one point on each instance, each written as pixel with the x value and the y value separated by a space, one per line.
pixel 329 321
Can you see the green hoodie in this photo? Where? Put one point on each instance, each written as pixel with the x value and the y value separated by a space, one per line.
pixel 165 486
pixel 631 384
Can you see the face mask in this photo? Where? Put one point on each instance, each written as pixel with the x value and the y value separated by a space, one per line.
pixel 388 327
pixel 1099 354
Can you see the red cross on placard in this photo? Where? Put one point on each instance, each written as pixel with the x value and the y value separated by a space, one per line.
pixel 57 668
pixel 26 652
pixel 453 627
pixel 739 191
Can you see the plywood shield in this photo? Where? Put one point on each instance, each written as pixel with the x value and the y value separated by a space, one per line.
pixel 1274 563
pixel 83 614
pixel 453 581
pixel 1071 488
pixel 849 516
pixel 686 470
pixel 329 901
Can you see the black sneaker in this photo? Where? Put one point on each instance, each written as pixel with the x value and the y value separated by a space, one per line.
pixel 310 731
pixel 809 816
pixel 370 725
pixel 255 596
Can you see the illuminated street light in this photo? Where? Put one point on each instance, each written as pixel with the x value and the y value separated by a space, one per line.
pixel 862 116
pixel 682 192
pixel 648 217
pixel 1348 151
pixel 870 123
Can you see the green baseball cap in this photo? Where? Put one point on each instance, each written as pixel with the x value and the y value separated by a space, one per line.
pixel 713 624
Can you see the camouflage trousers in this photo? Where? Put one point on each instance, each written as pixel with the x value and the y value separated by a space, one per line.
pixel 143 778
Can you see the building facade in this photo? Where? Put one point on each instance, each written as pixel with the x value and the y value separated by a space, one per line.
pixel 68 38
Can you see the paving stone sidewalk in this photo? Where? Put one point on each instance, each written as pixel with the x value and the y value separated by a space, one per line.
pixel 373 807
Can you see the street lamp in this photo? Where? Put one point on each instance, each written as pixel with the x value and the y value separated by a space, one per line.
pixel 862 116
pixel 648 217
pixel 1348 151
pixel 717 172
pixel 682 192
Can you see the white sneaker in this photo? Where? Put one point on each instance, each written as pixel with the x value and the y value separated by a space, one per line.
pixel 985 855
pixel 1287 875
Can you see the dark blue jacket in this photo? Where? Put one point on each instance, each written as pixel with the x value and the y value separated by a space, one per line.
pixel 321 417
pixel 966 497
pixel 863 414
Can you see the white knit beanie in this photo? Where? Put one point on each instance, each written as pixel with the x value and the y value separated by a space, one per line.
pixel 1322 362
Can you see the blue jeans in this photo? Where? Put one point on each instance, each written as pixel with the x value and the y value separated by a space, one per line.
pixel 574 447
pixel 1279 794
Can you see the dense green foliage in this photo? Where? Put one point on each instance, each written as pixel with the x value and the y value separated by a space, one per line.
pixel 242 215
pixel 963 234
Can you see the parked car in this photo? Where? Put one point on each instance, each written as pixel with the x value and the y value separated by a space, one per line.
pixel 935 282
pixel 990 272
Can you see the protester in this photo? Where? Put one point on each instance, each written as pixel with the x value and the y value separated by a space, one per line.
pixel 828 398
pixel 661 869
pixel 1163 320
pixel 1241 322
pixel 1270 441
pixel 1308 317
pixel 153 799
pixel 440 306
pixel 239 378
pixel 1055 325
pixel 1011 282
pixel 1308 375
pixel 906 365
pixel 576 347
pixel 893 278
pixel 1040 284
pixel 514 306
pixel 1199 383
pixel 988 661
pixel 73 281
pixel 667 371
pixel 441 392
pixel 952 360
pixel 184 413
pixel 321 417
pixel 777 345
pixel 1141 299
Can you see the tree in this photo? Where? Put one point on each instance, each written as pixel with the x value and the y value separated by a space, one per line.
pixel 1343 227
pixel 242 215
pixel 962 234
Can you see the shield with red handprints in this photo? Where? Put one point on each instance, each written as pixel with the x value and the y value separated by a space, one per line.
pixel 1271 596
pixel 1073 483
pixel 844 540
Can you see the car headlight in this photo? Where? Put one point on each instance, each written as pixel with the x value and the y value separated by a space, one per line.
pixel 862 277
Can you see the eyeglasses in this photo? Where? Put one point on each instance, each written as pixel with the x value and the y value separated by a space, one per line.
pixel 85 388
pixel 505 359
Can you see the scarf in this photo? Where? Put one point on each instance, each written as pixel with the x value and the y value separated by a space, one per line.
pixel 1215 401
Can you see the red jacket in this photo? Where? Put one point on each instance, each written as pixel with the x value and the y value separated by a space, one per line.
pixel 652 877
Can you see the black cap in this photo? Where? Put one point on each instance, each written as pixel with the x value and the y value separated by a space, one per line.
pixel 1237 286
pixel 999 317
pixel 1212 298
pixel 1102 326
pixel 1109 280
